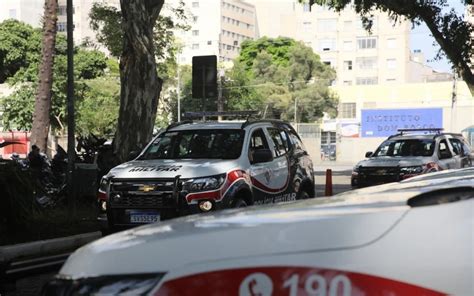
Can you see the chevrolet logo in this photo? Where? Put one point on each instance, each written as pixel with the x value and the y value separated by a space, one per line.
pixel 146 188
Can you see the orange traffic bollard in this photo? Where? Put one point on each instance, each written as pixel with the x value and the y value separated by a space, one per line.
pixel 328 188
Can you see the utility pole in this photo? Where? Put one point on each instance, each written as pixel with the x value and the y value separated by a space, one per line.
pixel 70 106
pixel 220 103
pixel 178 92
pixel 453 101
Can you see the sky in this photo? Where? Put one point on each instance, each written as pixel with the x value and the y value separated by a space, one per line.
pixel 421 38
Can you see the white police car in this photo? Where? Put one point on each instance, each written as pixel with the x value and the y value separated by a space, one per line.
pixel 408 238
pixel 198 167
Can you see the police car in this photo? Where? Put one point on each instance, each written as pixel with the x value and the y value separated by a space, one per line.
pixel 195 167
pixel 408 238
pixel 412 152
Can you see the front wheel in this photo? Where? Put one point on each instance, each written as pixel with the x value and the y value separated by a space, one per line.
pixel 239 203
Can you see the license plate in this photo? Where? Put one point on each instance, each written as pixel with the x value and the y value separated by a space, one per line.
pixel 144 217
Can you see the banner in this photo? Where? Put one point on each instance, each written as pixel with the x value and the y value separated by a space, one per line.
pixel 386 122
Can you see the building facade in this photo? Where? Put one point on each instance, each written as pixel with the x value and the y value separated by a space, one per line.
pixel 218 28
pixel 28 11
pixel 359 57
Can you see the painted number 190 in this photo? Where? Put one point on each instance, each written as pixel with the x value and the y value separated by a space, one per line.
pixel 316 285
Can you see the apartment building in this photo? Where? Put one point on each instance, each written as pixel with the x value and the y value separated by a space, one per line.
pixel 218 28
pixel 28 11
pixel 359 57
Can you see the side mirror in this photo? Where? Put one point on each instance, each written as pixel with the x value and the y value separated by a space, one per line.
pixel 262 155
pixel 133 154
pixel 368 154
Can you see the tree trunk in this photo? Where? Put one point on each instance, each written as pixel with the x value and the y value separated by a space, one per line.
pixel 140 84
pixel 39 131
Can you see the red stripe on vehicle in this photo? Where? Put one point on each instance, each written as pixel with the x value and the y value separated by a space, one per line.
pixel 289 280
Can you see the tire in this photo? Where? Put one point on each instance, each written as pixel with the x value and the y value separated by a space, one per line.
pixel 303 195
pixel 239 203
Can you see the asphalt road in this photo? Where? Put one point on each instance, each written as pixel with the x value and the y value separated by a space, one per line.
pixel 341 182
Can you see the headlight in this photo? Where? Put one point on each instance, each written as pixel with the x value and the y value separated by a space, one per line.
pixel 104 184
pixel 140 284
pixel 411 170
pixel 204 184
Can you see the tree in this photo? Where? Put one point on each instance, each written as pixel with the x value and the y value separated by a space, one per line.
pixel 40 128
pixel 89 64
pixel 17 42
pixel 450 30
pixel 271 74
pixel 145 36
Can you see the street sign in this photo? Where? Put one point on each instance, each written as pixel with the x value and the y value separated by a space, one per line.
pixel 204 77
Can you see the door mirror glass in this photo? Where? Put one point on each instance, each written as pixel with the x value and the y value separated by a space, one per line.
pixel 262 155
pixel 368 154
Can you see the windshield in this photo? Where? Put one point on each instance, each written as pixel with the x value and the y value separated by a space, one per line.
pixel 212 144
pixel 406 147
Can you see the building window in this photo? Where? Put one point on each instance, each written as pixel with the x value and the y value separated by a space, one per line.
pixel 367 80
pixel 348 65
pixel 209 42
pixel 195 46
pixel 366 42
pixel 62 10
pixel 347 110
pixel 391 43
pixel 391 80
pixel 347 82
pixel 229 47
pixel 195 19
pixel 12 13
pixel 195 4
pixel 327 44
pixel 195 32
pixel 347 45
pixel 306 26
pixel 306 7
pixel 347 25
pixel 61 26
pixel 327 25
pixel 366 63
pixel 391 64
pixel 236 42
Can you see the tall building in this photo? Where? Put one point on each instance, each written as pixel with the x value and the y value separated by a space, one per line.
pixel 28 11
pixel 82 8
pixel 359 57
pixel 218 28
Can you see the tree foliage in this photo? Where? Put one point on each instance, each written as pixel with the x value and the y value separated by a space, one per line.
pixel 88 64
pixel 451 30
pixel 271 74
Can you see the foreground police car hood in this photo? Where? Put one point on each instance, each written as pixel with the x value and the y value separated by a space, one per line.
pixel 387 161
pixel 170 168
pixel 350 220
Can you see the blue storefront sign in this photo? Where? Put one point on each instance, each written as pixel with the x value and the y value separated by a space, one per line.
pixel 386 122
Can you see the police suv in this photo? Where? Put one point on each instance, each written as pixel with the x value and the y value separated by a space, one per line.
pixel 195 167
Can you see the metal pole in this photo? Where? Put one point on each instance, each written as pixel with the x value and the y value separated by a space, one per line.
pixel 296 121
pixel 453 102
pixel 178 91
pixel 70 103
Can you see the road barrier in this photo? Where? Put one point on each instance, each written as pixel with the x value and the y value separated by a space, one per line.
pixel 328 188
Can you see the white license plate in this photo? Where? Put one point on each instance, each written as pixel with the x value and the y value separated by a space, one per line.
pixel 144 218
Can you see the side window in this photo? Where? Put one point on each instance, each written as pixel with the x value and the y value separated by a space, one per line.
pixel 296 141
pixel 257 141
pixel 444 150
pixel 457 146
pixel 281 146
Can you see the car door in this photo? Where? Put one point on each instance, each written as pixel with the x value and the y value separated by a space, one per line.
pixel 445 155
pixel 459 155
pixel 261 174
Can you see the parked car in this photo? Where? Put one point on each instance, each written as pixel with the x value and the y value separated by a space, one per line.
pixel 407 238
pixel 409 154
pixel 204 166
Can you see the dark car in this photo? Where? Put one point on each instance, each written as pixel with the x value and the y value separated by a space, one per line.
pixel 410 153
pixel 204 166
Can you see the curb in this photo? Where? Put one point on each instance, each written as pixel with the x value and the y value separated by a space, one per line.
pixel 46 247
